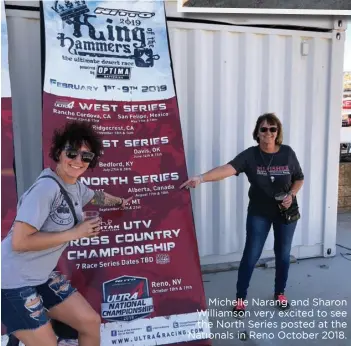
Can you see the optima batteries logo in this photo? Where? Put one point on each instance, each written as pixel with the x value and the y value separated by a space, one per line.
pixel 111 72
pixel 126 298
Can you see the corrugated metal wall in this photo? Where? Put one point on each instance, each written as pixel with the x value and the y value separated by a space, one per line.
pixel 25 76
pixel 225 76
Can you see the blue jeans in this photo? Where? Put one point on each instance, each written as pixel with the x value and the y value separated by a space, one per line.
pixel 25 308
pixel 257 229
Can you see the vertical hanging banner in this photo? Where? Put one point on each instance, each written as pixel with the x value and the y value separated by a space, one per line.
pixel 8 181
pixel 109 63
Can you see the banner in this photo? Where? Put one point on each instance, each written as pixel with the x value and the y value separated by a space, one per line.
pixel 8 181
pixel 109 63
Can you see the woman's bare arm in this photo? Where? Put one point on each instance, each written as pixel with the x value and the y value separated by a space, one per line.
pixel 104 199
pixel 219 173
pixel 27 238
pixel 215 174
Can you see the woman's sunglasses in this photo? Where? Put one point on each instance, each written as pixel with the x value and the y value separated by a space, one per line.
pixel 271 129
pixel 86 156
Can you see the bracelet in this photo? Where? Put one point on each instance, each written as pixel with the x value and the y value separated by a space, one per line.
pixel 119 204
pixel 201 178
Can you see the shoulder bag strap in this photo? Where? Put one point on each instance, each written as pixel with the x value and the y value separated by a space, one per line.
pixel 62 330
pixel 65 195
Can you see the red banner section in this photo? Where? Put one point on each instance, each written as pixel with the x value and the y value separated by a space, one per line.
pixel 8 181
pixel 111 66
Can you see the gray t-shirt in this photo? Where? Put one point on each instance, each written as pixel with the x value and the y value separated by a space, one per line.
pixel 43 207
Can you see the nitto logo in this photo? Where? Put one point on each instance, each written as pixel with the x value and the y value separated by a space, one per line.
pixel 123 13
pixel 64 104
pixel 123 281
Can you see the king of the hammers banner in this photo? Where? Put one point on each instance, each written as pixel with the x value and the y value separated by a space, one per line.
pixel 109 63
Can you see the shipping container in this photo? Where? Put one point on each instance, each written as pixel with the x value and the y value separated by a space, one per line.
pixel 307 7
pixel 229 69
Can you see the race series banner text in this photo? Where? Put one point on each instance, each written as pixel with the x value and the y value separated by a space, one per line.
pixel 109 63
pixel 8 181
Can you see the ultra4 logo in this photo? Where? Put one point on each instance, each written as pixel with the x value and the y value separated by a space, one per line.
pixel 126 298
pixel 64 104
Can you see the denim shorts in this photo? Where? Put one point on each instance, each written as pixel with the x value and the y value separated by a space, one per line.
pixel 25 308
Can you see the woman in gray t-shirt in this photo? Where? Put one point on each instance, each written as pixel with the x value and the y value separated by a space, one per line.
pixel 32 290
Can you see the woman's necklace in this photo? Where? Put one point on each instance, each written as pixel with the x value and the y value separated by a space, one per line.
pixel 269 165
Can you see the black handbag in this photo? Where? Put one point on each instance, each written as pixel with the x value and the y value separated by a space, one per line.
pixel 291 214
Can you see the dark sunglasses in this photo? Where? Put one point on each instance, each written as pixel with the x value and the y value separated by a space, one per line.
pixel 86 156
pixel 271 129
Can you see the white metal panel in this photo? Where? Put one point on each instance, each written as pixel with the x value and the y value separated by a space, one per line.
pixel 225 78
pixel 24 14
pixel 225 7
pixel 25 76
pixel 333 130
pixel 345 136
pixel 26 3
pixel 308 21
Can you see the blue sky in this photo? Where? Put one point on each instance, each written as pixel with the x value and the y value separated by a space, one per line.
pixel 347 59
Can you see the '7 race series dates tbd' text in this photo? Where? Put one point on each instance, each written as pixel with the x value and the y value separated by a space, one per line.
pixel 102 264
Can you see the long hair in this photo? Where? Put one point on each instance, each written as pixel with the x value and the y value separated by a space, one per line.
pixel 271 119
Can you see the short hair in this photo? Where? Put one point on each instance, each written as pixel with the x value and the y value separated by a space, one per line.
pixel 271 119
pixel 76 134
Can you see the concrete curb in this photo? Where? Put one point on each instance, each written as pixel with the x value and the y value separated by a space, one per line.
pixel 224 267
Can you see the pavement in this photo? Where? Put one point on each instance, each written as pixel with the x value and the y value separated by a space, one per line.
pixel 313 283
pixel 270 4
